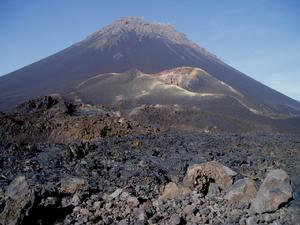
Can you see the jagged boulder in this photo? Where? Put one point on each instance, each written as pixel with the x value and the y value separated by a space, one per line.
pixel 19 201
pixel 201 175
pixel 71 185
pixel 275 190
pixel 172 190
pixel 241 192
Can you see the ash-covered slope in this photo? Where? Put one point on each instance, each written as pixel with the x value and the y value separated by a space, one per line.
pixel 185 86
pixel 182 98
pixel 126 44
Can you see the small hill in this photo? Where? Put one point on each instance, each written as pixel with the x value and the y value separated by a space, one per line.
pixel 182 98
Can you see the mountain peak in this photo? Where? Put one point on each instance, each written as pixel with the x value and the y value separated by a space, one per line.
pixel 140 24
pixel 130 19
pixel 126 27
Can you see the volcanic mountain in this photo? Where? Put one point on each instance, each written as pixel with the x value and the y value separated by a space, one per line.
pixel 132 62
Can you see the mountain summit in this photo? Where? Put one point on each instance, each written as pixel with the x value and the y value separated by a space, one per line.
pixel 133 43
pixel 136 28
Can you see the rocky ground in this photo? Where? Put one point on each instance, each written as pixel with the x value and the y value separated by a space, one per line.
pixel 148 176
pixel 52 119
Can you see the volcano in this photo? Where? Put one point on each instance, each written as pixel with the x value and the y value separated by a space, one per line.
pixel 132 62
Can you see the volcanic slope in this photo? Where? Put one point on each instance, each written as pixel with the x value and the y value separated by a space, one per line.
pixel 199 99
pixel 134 88
pixel 132 43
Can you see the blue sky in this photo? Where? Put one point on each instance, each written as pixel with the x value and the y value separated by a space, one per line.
pixel 259 37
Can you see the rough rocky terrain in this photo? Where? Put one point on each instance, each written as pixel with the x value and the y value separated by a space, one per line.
pixel 54 119
pixel 143 126
pixel 140 175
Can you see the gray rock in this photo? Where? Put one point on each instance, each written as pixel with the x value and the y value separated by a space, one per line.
pixel 153 220
pixel 71 185
pixel 188 209
pixel 172 190
pixel 139 213
pixel 132 202
pixel 19 202
pixel 276 223
pixel 269 217
pixel 251 221
pixel 213 190
pixel 123 222
pixel 175 219
pixel 241 191
pixel 200 175
pixel 108 220
pixel 17 189
pixel 274 191
pixel 49 157
pixel 157 203
pixel 116 193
